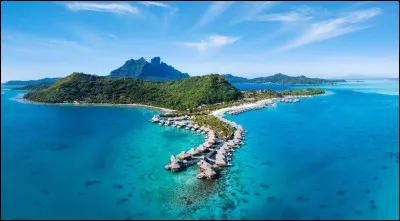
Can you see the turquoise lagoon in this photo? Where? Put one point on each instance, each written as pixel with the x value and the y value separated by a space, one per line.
pixel 334 156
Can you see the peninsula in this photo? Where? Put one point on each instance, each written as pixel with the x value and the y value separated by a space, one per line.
pixel 195 103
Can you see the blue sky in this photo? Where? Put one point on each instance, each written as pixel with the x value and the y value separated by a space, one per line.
pixel 251 39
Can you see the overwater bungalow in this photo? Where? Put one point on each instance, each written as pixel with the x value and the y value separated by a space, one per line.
pixel 205 170
pixel 220 162
pixel 207 145
pixel 201 148
pixel 155 119
pixel 230 143
pixel 174 165
pixel 184 156
pixel 192 152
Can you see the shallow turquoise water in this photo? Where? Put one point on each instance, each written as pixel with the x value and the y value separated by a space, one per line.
pixel 325 157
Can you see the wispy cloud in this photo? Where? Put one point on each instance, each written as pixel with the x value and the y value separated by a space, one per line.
pixel 213 41
pixel 68 44
pixel 159 4
pixel 324 30
pixel 121 8
pixel 284 17
pixel 250 10
pixel 212 12
pixel 112 36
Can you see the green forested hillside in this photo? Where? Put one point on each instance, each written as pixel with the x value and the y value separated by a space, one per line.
pixel 178 94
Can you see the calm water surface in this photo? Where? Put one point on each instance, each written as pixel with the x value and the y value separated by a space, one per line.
pixel 333 156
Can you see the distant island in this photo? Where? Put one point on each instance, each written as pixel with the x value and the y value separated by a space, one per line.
pixel 43 81
pixel 280 79
pixel 155 70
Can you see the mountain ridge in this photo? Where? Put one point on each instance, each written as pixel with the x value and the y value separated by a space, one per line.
pixel 155 70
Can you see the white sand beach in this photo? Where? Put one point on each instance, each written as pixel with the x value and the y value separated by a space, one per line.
pixel 221 111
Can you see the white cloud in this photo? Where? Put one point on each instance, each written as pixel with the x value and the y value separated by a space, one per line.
pixel 252 9
pixel 298 14
pixel 213 41
pixel 102 7
pixel 333 28
pixel 284 17
pixel 158 4
pixel 213 11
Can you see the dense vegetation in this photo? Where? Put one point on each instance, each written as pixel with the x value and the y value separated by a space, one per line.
pixel 181 94
pixel 33 86
pixel 222 130
pixel 266 94
pixel 33 82
pixel 280 79
pixel 248 96
pixel 153 71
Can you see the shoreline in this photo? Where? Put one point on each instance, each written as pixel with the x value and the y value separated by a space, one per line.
pixel 221 111
pixel 101 104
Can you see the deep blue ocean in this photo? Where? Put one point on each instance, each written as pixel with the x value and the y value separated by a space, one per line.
pixel 333 156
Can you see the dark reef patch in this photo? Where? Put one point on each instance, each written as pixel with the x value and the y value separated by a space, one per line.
pixel 266 163
pixel 122 200
pixel 118 186
pixel 91 183
pixel 271 198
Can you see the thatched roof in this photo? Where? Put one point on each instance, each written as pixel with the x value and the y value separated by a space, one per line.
pixel 192 151
pixel 230 143
pixel 201 148
pixel 220 156
pixel 220 162
pixel 222 151
pixel 203 165
pixel 210 173
pixel 183 155
pixel 207 145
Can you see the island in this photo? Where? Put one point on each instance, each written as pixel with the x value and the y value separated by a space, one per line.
pixel 44 81
pixel 194 103
pixel 281 79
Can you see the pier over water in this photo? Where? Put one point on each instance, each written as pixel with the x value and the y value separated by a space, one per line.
pixel 215 152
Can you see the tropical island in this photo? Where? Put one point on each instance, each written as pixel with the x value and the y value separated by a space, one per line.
pixel 280 79
pixel 43 81
pixel 191 103
pixel 194 103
